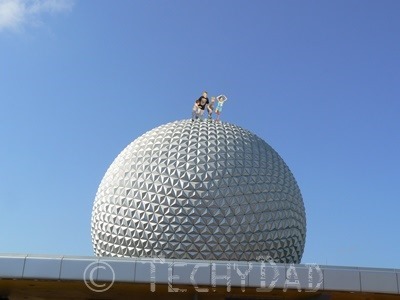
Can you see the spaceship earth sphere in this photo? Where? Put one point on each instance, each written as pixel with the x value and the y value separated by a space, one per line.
pixel 199 190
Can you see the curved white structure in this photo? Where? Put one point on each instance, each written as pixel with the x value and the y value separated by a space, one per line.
pixel 199 190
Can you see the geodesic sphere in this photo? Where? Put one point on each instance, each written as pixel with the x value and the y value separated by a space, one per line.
pixel 199 190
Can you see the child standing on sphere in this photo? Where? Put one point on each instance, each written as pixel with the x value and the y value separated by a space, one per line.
pixel 220 103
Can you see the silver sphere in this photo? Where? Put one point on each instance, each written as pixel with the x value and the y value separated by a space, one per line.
pixel 199 190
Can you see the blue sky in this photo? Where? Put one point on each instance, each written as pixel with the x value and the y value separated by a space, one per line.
pixel 318 80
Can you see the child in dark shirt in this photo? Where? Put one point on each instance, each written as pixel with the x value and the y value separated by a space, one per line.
pixel 199 106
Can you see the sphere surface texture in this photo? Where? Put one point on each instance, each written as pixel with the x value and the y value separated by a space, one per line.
pixel 199 190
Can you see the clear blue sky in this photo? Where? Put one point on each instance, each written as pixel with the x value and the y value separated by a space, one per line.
pixel 318 80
